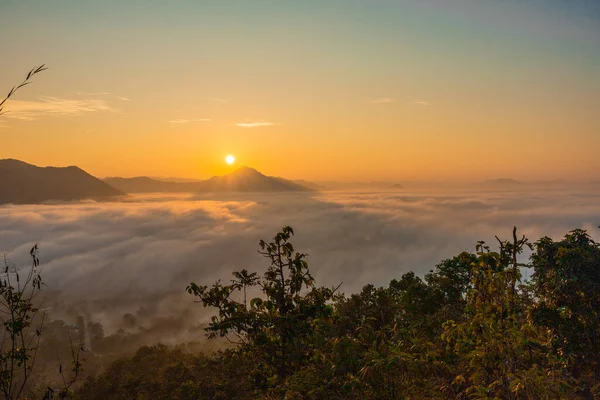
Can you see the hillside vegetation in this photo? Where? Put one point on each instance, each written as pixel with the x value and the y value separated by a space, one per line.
pixel 471 328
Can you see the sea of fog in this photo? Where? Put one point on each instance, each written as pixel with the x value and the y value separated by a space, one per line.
pixel 138 255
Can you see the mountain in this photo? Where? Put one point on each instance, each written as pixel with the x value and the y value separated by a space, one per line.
pixel 143 184
pixel 24 183
pixel 309 184
pixel 301 184
pixel 244 179
pixel 372 185
pixel 503 183
pixel 175 179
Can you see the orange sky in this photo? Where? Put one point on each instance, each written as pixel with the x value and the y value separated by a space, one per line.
pixel 313 90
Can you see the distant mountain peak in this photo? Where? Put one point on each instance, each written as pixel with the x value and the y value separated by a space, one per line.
pixel 502 181
pixel 245 170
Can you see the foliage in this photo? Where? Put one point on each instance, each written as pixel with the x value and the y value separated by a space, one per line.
pixel 22 325
pixel 20 338
pixel 470 328
pixel 25 338
pixel 500 350
pixel 17 311
pixel 278 328
pixel 158 372
pixel 566 284
pixel 25 82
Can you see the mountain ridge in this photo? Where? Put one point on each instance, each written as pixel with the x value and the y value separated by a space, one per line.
pixel 243 179
pixel 26 183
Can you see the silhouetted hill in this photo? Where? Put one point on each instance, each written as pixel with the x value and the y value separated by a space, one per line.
pixel 301 183
pixel 371 185
pixel 308 184
pixel 244 179
pixel 24 183
pixel 503 183
pixel 143 184
pixel 175 179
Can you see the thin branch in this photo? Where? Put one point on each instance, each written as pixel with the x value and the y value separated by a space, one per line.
pixel 25 82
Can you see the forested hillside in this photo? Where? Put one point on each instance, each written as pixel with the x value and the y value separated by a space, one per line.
pixel 470 328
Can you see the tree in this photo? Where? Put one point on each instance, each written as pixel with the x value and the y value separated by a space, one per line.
pixel 566 285
pixel 17 312
pixel 276 329
pixel 471 329
pixel 159 372
pixel 22 330
pixel 496 350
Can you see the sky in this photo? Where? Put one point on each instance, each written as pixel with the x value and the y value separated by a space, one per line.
pixel 313 89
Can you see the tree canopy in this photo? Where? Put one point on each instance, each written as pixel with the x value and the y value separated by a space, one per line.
pixel 471 328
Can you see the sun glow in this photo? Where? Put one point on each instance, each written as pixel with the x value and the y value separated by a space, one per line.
pixel 230 159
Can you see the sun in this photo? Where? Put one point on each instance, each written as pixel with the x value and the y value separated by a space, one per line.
pixel 230 159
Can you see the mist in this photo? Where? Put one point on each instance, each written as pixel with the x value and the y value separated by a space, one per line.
pixel 136 257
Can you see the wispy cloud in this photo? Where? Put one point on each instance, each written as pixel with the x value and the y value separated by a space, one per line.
pixel 421 102
pixel 382 100
pixel 30 110
pixel 97 94
pixel 221 101
pixel 185 121
pixel 256 124
pixel 92 93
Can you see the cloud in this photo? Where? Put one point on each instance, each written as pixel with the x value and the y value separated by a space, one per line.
pixel 255 124
pixel 383 100
pixel 221 101
pixel 143 252
pixel 30 110
pixel 421 102
pixel 137 256
pixel 96 94
pixel 185 121
pixel 92 94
